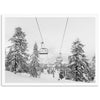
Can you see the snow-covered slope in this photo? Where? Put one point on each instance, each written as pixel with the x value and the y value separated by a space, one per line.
pixel 25 78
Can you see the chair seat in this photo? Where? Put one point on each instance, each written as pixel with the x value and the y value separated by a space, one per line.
pixel 59 59
pixel 43 51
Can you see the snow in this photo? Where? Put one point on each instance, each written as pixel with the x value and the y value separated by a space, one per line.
pixel 26 78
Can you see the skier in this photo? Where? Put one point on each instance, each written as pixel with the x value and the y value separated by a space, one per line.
pixel 61 75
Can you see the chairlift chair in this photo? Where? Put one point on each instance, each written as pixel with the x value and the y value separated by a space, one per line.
pixel 43 50
pixel 59 58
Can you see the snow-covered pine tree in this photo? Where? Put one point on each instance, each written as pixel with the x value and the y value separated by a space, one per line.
pixel 16 59
pixel 36 52
pixel 92 69
pixel 34 64
pixel 78 63
pixel 93 62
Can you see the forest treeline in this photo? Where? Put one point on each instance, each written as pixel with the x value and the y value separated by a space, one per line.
pixel 78 68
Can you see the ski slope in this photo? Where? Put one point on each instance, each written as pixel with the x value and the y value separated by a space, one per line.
pixel 26 78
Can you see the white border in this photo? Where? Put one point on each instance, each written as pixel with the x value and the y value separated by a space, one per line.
pixel 50 84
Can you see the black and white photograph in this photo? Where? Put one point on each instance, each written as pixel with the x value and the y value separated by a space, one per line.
pixel 49 50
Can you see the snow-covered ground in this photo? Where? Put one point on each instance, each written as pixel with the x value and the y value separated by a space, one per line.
pixel 26 78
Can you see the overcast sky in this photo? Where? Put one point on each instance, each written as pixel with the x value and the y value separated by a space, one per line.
pixel 52 29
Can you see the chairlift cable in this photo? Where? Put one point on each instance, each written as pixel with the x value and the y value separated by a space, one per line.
pixel 64 34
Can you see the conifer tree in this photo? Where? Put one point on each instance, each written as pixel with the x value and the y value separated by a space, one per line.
pixel 78 63
pixel 92 69
pixel 36 53
pixel 16 59
pixel 34 64
pixel 93 62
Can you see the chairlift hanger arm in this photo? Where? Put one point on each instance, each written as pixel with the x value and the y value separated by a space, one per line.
pixel 42 50
pixel 39 30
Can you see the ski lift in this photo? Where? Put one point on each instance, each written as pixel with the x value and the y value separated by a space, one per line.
pixel 43 50
pixel 59 58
